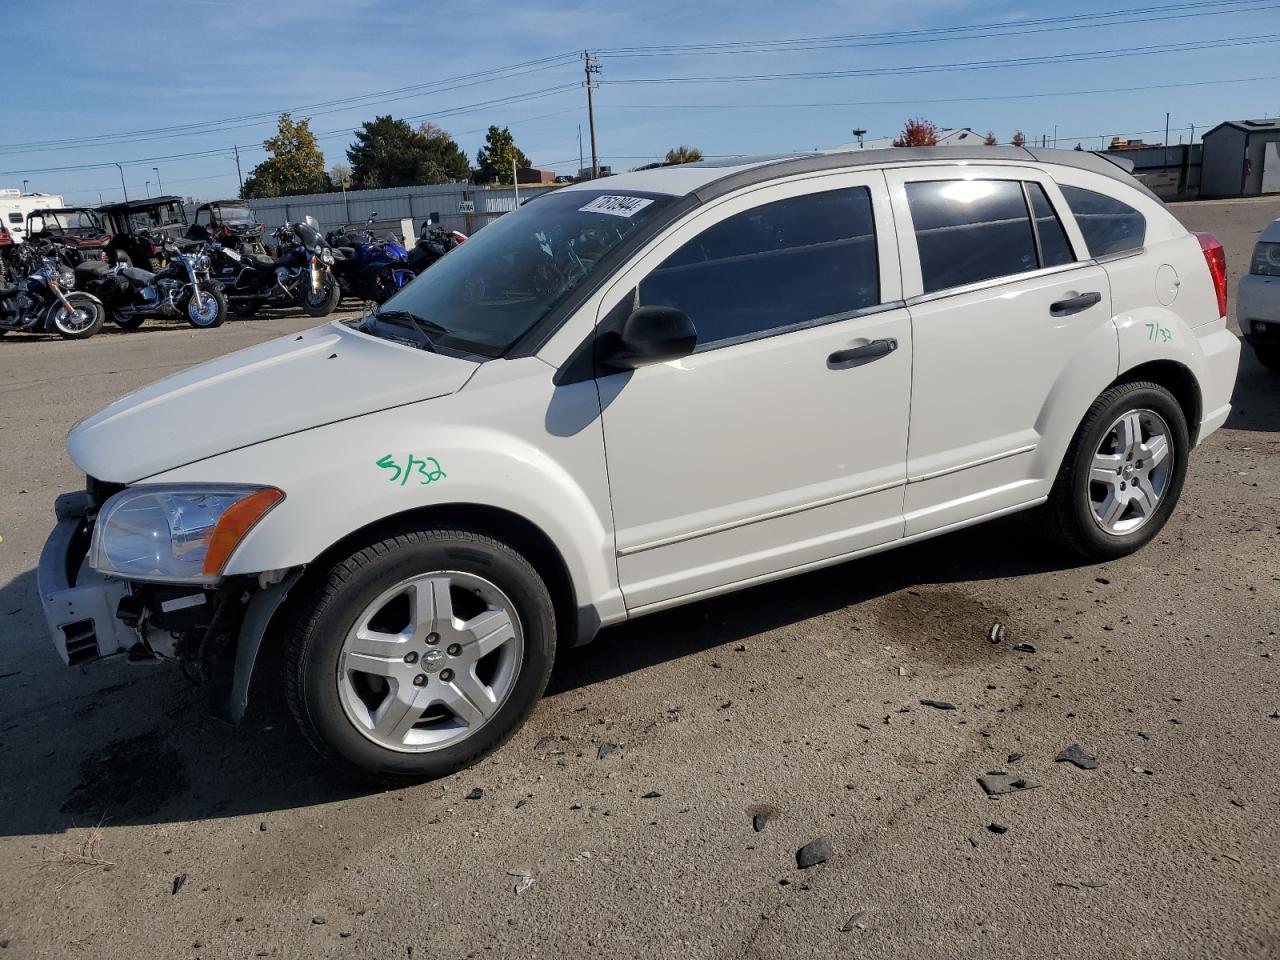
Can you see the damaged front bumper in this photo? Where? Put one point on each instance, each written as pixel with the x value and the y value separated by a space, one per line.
pixel 79 603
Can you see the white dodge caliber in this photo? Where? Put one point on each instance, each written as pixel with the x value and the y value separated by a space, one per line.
pixel 631 394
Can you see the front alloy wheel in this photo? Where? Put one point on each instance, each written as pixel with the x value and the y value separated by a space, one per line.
pixel 430 661
pixel 415 656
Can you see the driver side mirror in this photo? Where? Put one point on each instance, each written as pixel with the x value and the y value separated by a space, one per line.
pixel 649 335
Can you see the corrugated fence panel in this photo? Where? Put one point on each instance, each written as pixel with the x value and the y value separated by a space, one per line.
pixel 448 200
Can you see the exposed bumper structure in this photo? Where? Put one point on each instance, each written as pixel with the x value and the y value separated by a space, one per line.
pixel 79 604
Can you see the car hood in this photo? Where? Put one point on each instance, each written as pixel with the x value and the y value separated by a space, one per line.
pixel 280 387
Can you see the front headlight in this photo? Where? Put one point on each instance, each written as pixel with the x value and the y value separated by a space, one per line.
pixel 327 255
pixel 176 534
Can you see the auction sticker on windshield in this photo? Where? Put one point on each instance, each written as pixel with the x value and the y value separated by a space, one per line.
pixel 616 206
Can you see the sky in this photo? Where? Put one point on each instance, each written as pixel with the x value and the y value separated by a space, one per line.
pixel 166 89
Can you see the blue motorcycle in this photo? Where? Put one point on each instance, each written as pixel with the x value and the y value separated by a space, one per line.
pixel 368 268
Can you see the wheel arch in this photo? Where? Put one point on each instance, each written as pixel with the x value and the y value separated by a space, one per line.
pixel 1178 379
pixel 575 624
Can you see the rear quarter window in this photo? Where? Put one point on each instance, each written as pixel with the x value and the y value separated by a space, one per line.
pixel 1109 225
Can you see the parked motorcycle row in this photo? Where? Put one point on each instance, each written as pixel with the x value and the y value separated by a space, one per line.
pixel 52 285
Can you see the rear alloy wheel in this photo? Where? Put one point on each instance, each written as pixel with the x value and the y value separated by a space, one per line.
pixel 1124 472
pixel 420 654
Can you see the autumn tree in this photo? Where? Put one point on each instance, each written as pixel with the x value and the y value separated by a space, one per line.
pixel 918 133
pixel 295 166
pixel 990 139
pixel 340 176
pixel 391 153
pixel 683 154
pixel 494 160
pixel 1018 139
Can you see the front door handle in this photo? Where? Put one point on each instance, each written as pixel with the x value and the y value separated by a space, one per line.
pixel 1075 304
pixel 867 351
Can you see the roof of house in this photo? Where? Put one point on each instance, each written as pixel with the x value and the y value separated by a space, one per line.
pixel 1248 126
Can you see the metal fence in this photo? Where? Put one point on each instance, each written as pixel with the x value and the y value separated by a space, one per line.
pixel 459 206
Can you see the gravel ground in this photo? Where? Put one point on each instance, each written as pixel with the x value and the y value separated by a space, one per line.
pixel 131 825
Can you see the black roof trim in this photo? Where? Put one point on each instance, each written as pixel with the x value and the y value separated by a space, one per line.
pixel 138 204
pixel 844 159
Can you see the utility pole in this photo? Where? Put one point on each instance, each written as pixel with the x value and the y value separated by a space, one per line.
pixel 515 180
pixel 859 133
pixel 591 66
pixel 1166 140
pixel 238 174
pixel 579 149
pixel 122 183
pixel 148 189
pixel 159 185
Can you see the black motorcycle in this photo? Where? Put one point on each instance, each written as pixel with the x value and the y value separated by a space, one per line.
pixel 433 243
pixel 44 300
pixel 178 289
pixel 302 276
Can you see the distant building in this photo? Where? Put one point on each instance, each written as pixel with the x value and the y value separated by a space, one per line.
pixel 1120 143
pixel 1241 159
pixel 585 172
pixel 947 137
pixel 535 175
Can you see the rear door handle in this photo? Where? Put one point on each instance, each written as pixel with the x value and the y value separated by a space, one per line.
pixel 867 351
pixel 1075 304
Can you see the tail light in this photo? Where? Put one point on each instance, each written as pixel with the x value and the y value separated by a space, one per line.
pixel 1216 257
pixel 6 239
pixel 226 231
pixel 457 236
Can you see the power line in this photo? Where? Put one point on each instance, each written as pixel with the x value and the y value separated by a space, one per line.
pixel 1075 57
pixel 945 34
pixel 344 131
pixel 257 119
pixel 915 100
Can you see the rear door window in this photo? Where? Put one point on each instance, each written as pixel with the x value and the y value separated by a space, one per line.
pixel 1109 226
pixel 1055 248
pixel 774 267
pixel 970 230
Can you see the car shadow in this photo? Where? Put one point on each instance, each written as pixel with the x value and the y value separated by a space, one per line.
pixel 132 744
pixel 1255 404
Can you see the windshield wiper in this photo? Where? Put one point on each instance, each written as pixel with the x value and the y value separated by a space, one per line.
pixel 422 324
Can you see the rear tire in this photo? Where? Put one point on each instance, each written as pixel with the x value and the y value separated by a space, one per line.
pixel 1111 497
pixel 132 322
pixel 369 609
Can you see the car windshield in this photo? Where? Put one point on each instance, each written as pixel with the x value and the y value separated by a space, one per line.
pixel 234 213
pixel 488 292
pixel 66 221
pixel 151 217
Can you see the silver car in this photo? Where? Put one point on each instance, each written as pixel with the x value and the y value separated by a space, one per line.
pixel 1259 300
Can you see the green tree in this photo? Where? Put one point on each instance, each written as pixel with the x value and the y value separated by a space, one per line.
pixel 295 166
pixel 683 154
pixel 339 176
pixel 390 153
pixel 494 159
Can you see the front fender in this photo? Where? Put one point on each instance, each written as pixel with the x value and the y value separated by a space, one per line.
pixel 522 446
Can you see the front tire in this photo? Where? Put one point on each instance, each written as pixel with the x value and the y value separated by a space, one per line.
pixel 210 312
pixel 83 321
pixel 323 303
pixel 1123 474
pixel 1268 356
pixel 417 655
